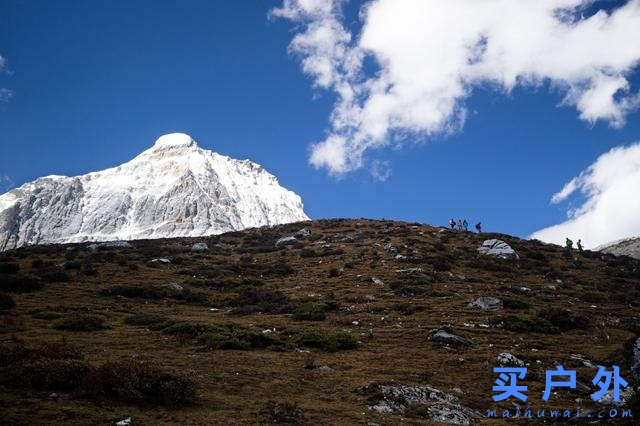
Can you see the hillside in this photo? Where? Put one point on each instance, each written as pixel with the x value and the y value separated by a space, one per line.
pixel 353 322
pixel 627 247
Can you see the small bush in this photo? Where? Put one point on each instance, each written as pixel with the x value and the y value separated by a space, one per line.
pixel 325 340
pixel 565 320
pixel 55 275
pixel 152 292
pixel 515 304
pixel 333 272
pixel 261 299
pixel 9 268
pixel 45 315
pixel 6 302
pixel 81 323
pixel 139 381
pixel 307 252
pixel 235 336
pixel 528 325
pixel 285 412
pixel 145 319
pixel 407 308
pixel 310 312
pixel 20 283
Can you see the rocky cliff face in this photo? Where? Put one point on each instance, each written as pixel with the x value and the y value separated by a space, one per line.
pixel 172 189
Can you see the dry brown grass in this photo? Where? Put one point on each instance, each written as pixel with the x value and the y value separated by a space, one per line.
pixel 314 289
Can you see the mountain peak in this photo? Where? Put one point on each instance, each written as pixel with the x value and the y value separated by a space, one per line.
pixel 173 189
pixel 174 140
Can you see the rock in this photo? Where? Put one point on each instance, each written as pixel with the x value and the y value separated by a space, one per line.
pixel 498 248
pixel 390 248
pixel 377 281
pixel 583 360
pixel 401 257
pixel 487 303
pixel 199 247
pixel 175 287
pixel 416 273
pixel 635 361
pixel 304 232
pixel 507 359
pixel 324 369
pixel 286 241
pixel 439 406
pixel 126 422
pixel 446 336
pixel 625 395
pixel 109 244
pixel 161 260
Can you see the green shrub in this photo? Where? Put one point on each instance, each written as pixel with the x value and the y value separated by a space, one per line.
pixel 55 275
pixel 54 374
pixel 139 381
pixel 20 283
pixel 528 325
pixel 154 292
pixel 325 340
pixel 261 299
pixel 81 323
pixel 310 312
pixel 234 336
pixel 515 304
pixel 9 268
pixel 45 315
pixel 145 319
pixel 564 320
pixel 286 412
pixel 307 252
pixel 6 302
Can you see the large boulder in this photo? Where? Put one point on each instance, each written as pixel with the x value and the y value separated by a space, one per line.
pixel 487 303
pixel 286 241
pixel 446 336
pixel 635 361
pixel 439 407
pixel 199 247
pixel 498 248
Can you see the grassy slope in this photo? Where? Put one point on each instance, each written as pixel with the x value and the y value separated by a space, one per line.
pixel 235 385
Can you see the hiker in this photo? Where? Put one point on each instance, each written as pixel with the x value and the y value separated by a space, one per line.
pixel 479 227
pixel 465 225
pixel 452 222
pixel 568 244
pixel 459 225
pixel 580 245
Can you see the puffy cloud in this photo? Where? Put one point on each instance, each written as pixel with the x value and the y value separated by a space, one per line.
pixel 431 54
pixel 611 206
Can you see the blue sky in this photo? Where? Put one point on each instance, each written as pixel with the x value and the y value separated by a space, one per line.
pixel 95 83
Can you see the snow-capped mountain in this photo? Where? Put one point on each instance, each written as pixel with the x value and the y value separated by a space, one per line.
pixel 626 247
pixel 172 189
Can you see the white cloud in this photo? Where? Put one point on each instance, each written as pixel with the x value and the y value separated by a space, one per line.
pixel 5 94
pixel 6 183
pixel 610 211
pixel 432 53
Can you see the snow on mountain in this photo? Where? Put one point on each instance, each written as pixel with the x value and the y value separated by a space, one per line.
pixel 626 247
pixel 172 189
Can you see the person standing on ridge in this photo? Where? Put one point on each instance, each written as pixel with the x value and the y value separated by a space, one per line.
pixel 580 245
pixel 459 224
pixel 568 244
pixel 479 227
pixel 452 223
pixel 465 225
